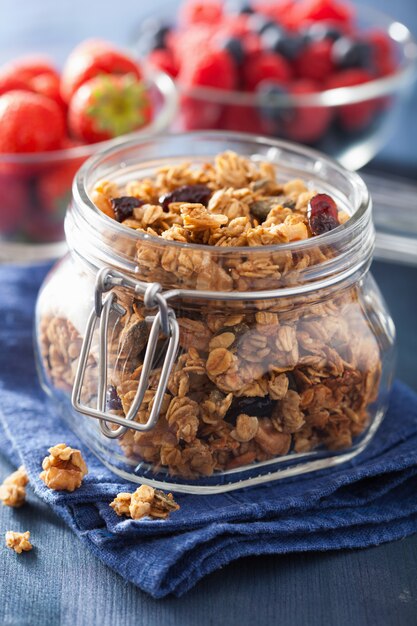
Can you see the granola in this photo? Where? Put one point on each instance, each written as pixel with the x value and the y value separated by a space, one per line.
pixel 145 501
pixel 19 542
pixel 63 469
pixel 252 380
pixel 12 490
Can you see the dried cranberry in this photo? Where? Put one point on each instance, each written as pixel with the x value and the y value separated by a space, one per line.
pixel 255 407
pixel 197 194
pixel 113 402
pixel 322 214
pixel 123 206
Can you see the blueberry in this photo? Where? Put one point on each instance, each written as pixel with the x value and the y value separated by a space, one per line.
pixel 348 53
pixel 234 47
pixel 271 110
pixel 258 23
pixel 322 30
pixel 238 7
pixel 277 40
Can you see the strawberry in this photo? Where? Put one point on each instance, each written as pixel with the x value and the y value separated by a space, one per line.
pixel 53 188
pixel 91 58
pixel 20 73
pixel 48 85
pixel 30 122
pixel 108 106
pixel 14 204
pixel 10 83
pixel 25 68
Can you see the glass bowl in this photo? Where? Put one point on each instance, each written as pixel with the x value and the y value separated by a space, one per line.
pixel 35 188
pixel 350 124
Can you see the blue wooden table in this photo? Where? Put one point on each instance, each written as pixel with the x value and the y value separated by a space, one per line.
pixel 62 583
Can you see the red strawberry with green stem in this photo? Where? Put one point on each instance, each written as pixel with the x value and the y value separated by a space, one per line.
pixel 91 58
pixel 108 106
pixel 30 122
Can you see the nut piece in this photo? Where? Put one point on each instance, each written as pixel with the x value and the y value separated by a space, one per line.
pixel 12 491
pixel 141 500
pixel 121 503
pixel 19 542
pixel 64 468
pixel 145 501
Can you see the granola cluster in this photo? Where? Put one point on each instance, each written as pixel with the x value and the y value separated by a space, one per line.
pixel 252 380
pixel 145 501
pixel 19 542
pixel 63 469
pixel 232 202
pixel 12 490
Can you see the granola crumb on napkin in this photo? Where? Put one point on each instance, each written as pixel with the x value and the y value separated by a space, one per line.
pixel 19 542
pixel 12 490
pixel 64 468
pixel 145 501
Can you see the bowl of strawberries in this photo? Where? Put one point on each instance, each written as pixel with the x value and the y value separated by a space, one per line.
pixel 325 73
pixel 51 121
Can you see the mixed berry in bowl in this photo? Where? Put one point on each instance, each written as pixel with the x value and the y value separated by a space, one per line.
pixel 320 72
pixel 51 121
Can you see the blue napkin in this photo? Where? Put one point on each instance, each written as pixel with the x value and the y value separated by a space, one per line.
pixel 370 501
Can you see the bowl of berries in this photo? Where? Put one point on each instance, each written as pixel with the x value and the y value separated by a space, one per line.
pixel 320 72
pixel 51 121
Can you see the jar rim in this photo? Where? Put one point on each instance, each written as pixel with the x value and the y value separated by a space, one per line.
pixel 82 198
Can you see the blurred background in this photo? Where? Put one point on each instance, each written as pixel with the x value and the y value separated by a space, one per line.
pixel 27 26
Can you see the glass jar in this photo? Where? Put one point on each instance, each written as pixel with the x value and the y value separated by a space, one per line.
pixel 203 368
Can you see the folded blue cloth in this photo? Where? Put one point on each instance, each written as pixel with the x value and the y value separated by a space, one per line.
pixel 370 501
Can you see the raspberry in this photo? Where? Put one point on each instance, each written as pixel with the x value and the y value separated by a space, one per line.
pixel 189 44
pixel 201 12
pixel 353 117
pixel 309 123
pixel 318 10
pixel 164 60
pixel 278 11
pixel 267 66
pixel 315 61
pixel 197 114
pixel 241 118
pixel 213 69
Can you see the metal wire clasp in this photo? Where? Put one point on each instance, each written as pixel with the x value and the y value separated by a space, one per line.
pixel 164 321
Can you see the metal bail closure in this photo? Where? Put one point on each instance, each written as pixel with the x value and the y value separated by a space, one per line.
pixel 164 321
